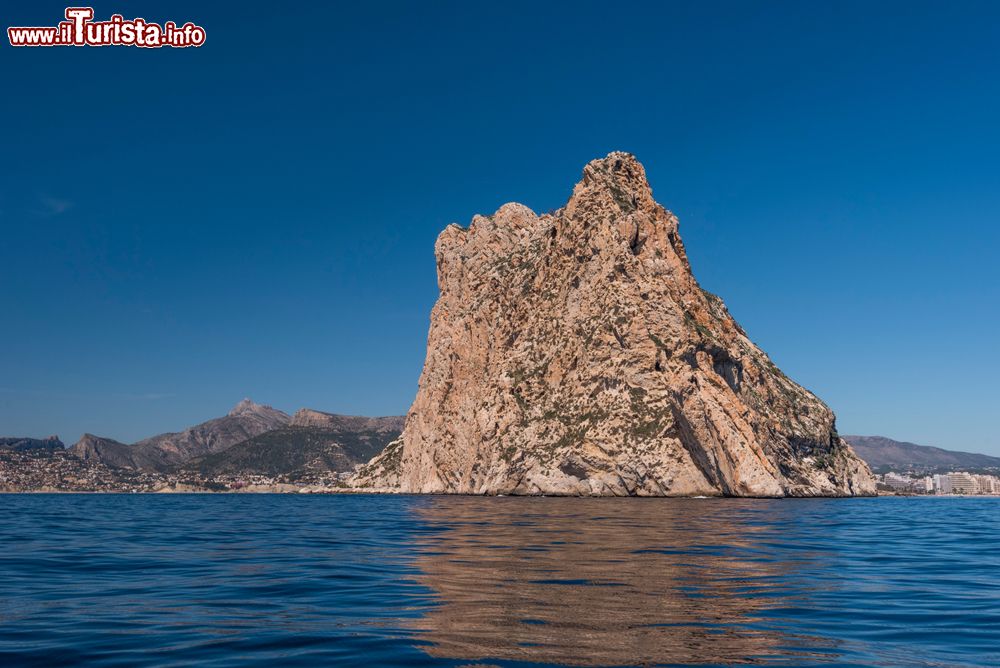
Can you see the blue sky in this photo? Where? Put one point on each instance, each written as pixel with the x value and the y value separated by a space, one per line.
pixel 183 228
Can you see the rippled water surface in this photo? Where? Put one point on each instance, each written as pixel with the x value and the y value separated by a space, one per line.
pixel 394 580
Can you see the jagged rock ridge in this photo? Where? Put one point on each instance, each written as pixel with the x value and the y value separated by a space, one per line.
pixel 575 353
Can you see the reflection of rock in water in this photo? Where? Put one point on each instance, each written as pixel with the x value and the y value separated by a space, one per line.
pixel 589 581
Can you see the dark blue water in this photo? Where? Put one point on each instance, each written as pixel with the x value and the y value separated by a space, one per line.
pixel 382 580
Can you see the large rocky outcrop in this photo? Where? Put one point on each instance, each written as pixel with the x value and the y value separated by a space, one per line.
pixel 575 353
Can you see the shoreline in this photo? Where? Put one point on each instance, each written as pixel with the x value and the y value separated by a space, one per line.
pixel 349 491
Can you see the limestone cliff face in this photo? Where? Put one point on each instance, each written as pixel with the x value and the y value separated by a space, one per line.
pixel 575 353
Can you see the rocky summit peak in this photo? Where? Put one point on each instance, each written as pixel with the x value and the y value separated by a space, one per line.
pixel 575 353
pixel 616 170
pixel 245 406
pixel 308 417
pixel 611 185
pixel 254 416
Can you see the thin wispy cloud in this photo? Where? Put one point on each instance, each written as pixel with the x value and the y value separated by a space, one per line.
pixel 155 396
pixel 48 206
pixel 131 396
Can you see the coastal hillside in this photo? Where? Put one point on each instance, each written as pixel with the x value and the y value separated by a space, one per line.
pixel 246 420
pixel 114 454
pixel 313 449
pixel 314 443
pixel 884 454
pixel 23 444
pixel 158 453
pixel 575 353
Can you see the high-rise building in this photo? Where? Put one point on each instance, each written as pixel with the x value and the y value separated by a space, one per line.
pixel 963 483
pixel 942 484
pixel 900 483
pixel 988 484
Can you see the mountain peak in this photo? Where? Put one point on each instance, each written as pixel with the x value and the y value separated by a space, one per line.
pixel 611 185
pixel 307 417
pixel 247 405
pixel 257 412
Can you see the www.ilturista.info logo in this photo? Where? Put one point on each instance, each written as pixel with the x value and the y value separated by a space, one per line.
pixel 79 29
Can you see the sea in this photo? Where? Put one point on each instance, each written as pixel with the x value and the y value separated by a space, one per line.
pixel 316 580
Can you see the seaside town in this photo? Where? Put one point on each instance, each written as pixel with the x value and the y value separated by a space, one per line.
pixel 954 483
pixel 60 471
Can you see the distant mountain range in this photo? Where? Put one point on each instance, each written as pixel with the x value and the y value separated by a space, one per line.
pixel 19 444
pixel 313 442
pixel 117 455
pixel 884 454
pixel 162 452
pixel 252 439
